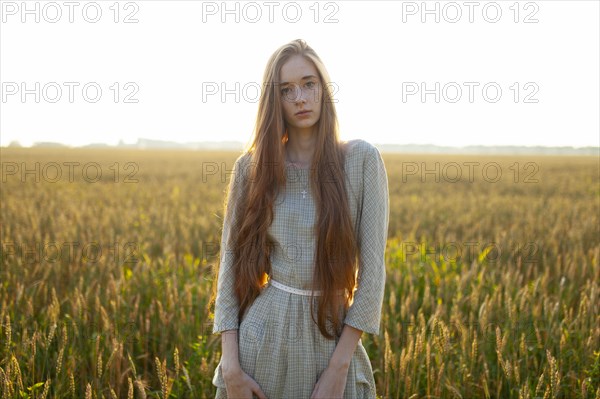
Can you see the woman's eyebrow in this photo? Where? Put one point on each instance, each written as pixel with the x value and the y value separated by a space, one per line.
pixel 303 78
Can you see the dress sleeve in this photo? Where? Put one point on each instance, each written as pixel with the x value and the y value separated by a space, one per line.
pixel 226 303
pixel 365 311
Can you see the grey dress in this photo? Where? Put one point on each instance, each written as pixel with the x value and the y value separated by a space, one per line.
pixel 280 346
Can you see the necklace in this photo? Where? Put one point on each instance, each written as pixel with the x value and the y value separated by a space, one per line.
pixel 303 192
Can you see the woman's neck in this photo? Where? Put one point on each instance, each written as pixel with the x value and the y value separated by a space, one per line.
pixel 300 149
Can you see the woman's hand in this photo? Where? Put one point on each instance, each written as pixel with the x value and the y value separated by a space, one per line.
pixel 331 384
pixel 240 385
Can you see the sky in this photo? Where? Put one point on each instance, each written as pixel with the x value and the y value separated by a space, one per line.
pixel 445 73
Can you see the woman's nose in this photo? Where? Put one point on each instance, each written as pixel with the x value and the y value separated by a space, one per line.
pixel 300 95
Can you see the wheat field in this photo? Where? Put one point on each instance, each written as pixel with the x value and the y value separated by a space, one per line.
pixel 107 259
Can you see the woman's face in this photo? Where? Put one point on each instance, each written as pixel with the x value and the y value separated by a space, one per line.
pixel 301 93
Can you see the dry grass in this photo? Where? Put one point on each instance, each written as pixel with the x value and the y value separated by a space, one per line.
pixel 522 322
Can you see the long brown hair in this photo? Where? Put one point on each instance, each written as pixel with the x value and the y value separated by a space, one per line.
pixel 336 247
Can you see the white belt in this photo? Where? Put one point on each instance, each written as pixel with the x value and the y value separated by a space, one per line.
pixel 296 290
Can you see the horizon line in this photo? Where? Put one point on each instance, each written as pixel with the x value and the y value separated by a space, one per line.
pixel 228 143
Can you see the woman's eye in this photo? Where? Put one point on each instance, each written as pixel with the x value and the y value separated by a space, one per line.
pixel 310 84
pixel 285 91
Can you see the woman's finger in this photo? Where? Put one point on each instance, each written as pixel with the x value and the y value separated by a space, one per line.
pixel 314 392
pixel 259 392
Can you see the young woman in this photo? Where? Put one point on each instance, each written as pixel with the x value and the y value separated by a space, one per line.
pixel 305 214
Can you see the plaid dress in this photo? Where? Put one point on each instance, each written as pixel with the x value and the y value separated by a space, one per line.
pixel 280 346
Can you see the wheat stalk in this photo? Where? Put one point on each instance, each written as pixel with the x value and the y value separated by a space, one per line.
pixel 46 389
pixel 72 384
pixel 59 361
pixel 17 372
pixel 141 389
pixel 187 380
pixel 161 370
pixel 129 388
pixel 8 334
